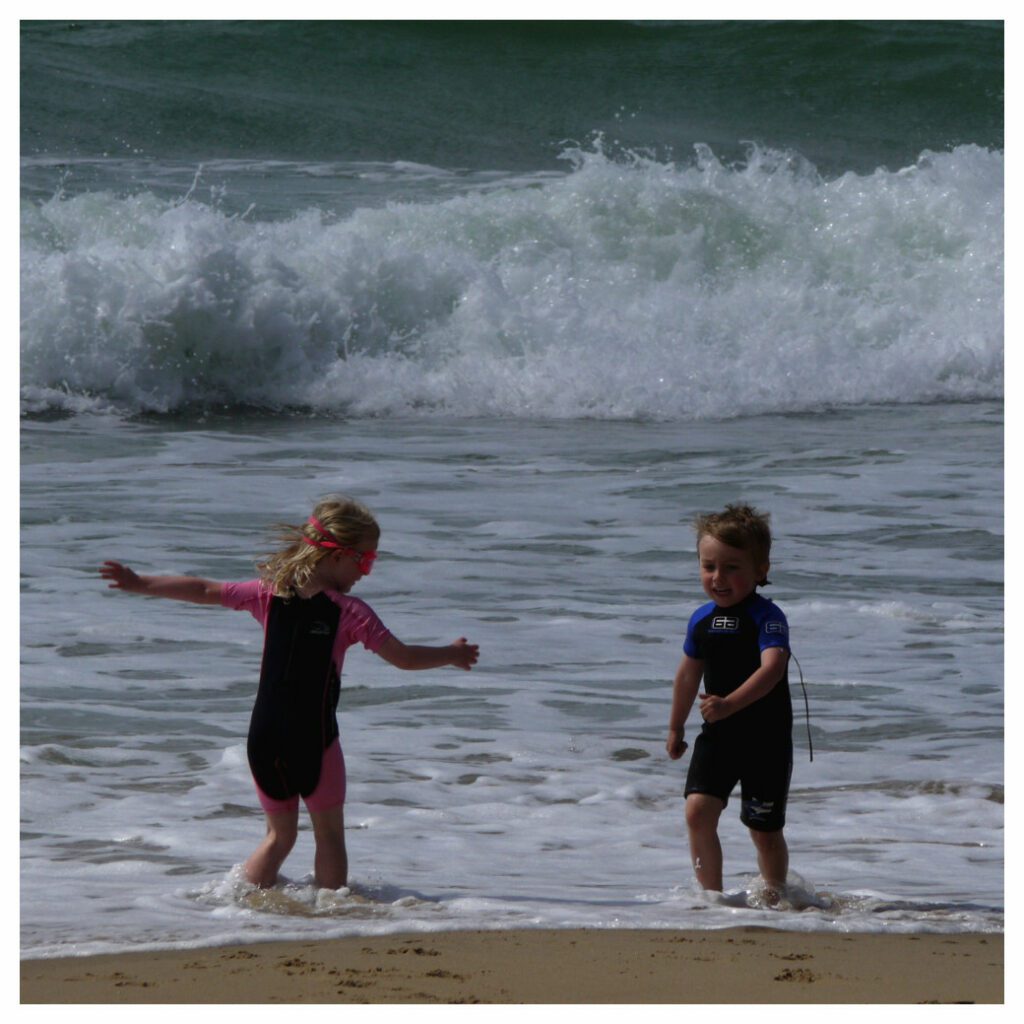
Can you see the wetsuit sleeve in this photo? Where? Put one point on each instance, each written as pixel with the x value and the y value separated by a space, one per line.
pixel 691 645
pixel 253 597
pixel 360 624
pixel 773 630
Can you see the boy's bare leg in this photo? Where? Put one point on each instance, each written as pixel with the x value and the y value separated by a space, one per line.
pixel 330 865
pixel 702 814
pixel 772 857
pixel 282 830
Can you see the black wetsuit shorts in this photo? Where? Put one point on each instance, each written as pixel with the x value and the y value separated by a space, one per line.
pixel 762 767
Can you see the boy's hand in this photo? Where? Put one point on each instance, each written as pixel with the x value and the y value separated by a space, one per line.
pixel 466 654
pixel 713 709
pixel 675 744
pixel 120 576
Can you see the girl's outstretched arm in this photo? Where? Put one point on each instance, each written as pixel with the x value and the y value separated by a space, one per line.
pixel 178 588
pixel 460 654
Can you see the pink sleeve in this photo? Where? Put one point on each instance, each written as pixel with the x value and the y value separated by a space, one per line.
pixel 359 624
pixel 253 596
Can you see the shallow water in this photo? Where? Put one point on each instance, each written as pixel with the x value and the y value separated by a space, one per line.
pixel 534 790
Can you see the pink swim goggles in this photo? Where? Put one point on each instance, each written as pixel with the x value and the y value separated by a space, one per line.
pixel 364 559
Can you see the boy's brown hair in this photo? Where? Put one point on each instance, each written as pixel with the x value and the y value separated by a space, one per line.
pixel 739 526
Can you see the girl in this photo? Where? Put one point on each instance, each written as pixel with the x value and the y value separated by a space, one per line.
pixel 301 600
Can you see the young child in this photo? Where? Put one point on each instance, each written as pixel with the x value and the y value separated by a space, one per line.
pixel 301 600
pixel 738 643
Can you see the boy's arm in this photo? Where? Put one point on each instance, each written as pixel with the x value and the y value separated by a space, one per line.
pixel 773 668
pixel 460 654
pixel 178 588
pixel 684 692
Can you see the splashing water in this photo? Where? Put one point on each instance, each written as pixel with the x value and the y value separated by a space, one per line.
pixel 625 288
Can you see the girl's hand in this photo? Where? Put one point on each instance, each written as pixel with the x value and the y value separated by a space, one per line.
pixel 120 576
pixel 465 654
pixel 713 709
pixel 675 744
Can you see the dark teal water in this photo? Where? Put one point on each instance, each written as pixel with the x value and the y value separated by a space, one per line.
pixel 498 95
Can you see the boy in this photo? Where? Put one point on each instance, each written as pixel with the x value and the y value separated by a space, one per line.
pixel 739 644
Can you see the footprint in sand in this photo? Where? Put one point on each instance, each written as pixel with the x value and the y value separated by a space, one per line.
pixel 799 974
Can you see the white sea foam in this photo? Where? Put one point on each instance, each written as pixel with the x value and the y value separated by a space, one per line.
pixel 625 288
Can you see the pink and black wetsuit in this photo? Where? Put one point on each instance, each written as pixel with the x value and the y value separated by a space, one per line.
pixel 293 727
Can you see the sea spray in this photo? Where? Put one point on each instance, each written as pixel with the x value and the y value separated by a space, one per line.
pixel 627 288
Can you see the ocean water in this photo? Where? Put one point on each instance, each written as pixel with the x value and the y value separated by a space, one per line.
pixel 537 304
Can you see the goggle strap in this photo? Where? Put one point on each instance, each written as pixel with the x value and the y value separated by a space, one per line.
pixel 331 542
pixel 366 558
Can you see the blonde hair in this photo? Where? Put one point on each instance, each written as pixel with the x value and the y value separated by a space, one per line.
pixel 739 526
pixel 290 568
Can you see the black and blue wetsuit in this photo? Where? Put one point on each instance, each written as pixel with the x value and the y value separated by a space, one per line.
pixel 754 746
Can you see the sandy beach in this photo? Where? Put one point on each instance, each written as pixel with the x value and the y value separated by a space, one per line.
pixel 744 965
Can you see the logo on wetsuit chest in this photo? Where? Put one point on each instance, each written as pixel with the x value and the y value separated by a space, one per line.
pixel 725 624
pixel 319 629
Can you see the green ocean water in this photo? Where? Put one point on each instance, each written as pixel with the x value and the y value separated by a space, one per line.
pixel 485 95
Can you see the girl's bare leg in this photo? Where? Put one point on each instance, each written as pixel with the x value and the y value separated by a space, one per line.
pixel 330 865
pixel 282 830
pixel 702 814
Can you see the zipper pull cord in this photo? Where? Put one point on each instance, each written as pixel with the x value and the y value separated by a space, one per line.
pixel 807 706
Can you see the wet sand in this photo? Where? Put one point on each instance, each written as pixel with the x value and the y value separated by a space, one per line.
pixel 743 965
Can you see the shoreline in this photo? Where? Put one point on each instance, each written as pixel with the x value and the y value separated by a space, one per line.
pixel 736 965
